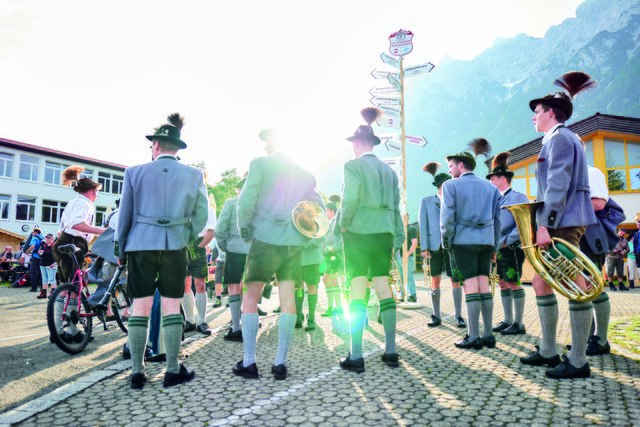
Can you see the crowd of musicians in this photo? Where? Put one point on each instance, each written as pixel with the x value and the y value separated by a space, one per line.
pixel 464 229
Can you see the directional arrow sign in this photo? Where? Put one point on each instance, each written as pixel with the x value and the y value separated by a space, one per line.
pixel 391 111
pixel 385 100
pixel 389 60
pixel 392 145
pixel 384 91
pixel 416 70
pixel 377 74
pixel 420 141
pixel 395 81
pixel 389 122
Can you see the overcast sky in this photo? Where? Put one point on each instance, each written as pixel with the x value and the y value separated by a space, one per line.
pixel 94 78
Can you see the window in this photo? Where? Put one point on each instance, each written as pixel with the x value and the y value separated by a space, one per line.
pixel 622 160
pixel 28 168
pixel 111 183
pixel 6 165
pixel 53 173
pixel 52 211
pixel 5 203
pixel 87 173
pixel 588 151
pixel 26 208
pixel 101 215
pixel 524 179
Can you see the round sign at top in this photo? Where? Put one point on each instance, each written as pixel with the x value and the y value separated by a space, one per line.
pixel 401 43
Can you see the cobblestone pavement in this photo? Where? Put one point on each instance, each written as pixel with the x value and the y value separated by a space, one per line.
pixel 436 384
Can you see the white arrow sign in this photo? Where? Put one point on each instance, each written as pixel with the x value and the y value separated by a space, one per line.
pixel 420 141
pixel 377 74
pixel 391 111
pixel 385 100
pixel 416 70
pixel 389 60
pixel 385 91
pixel 392 145
pixel 389 122
pixel 394 80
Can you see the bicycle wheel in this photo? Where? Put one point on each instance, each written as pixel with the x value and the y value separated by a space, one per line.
pixel 69 327
pixel 121 306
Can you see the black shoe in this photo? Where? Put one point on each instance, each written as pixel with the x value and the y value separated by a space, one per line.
pixel 435 321
pixel 189 327
pixel 203 328
pixel 42 295
pixel 595 349
pixel 250 371
pixel 33 290
pixel 155 358
pixel 489 342
pixel 466 343
pixel 217 303
pixel 327 313
pixel 623 287
pixel 356 365
pixel 261 312
pixel 412 298
pixel 311 326
pixel 613 288
pixel 136 381
pixel 632 286
pixel 567 370
pixel 184 375
pixel 390 359
pixel 515 329
pixel 279 372
pixel 148 353
pixel 298 323
pixel 233 336
pixel 460 322
pixel 536 359
pixel 501 327
pixel 76 339
pixel 277 310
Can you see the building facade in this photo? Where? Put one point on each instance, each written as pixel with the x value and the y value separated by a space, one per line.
pixel 31 191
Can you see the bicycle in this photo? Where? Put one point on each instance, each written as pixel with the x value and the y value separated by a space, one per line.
pixel 70 316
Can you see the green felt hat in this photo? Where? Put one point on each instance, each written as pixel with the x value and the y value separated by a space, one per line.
pixel 170 132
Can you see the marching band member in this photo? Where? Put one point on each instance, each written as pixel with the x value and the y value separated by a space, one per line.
pixel 311 259
pixel 470 226
pixel 510 256
pixel 371 227
pixel 275 184
pixel 563 186
pixel 162 210
pixel 235 249
pixel 334 264
pixel 431 244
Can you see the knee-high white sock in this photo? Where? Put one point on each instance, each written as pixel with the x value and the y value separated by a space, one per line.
pixel 580 317
pixel 457 301
pixel 548 311
pixel 188 305
pixel 286 325
pixel 201 305
pixel 250 324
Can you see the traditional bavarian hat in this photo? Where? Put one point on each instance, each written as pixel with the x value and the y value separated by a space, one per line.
pixel 479 146
pixel 573 82
pixel 500 166
pixel 365 132
pixel 71 178
pixel 439 179
pixel 170 132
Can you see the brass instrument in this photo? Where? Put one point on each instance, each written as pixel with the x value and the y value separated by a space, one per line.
pixel 561 263
pixel 397 287
pixel 426 269
pixel 494 277
pixel 310 219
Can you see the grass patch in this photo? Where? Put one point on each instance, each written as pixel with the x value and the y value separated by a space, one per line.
pixel 626 333
pixel 5 284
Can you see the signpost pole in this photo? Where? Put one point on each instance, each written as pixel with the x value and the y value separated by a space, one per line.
pixel 403 194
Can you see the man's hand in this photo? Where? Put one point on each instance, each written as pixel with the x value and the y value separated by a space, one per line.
pixel 543 239
pixel 122 261
pixel 426 254
pixel 493 257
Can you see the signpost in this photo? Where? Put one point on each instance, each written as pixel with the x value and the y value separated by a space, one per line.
pixel 391 101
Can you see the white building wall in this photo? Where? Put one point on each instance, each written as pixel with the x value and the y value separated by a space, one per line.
pixel 14 187
pixel 630 203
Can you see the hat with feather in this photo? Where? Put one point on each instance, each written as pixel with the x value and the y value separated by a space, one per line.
pixel 573 82
pixel 439 179
pixel 365 132
pixel 71 178
pixel 170 132
pixel 478 146
pixel 500 166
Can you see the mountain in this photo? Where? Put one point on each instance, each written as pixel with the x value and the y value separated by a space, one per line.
pixel 489 95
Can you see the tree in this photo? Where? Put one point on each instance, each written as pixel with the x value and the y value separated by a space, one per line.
pixel 616 180
pixel 225 188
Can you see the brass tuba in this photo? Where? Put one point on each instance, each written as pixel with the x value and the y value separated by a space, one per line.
pixel 310 219
pixel 397 287
pixel 560 264
pixel 494 277
pixel 426 269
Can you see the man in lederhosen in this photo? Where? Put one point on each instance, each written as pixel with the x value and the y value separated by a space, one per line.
pixel 510 256
pixel 563 186
pixel 470 226
pixel 432 250
pixel 162 210
pixel 371 227
pixel 275 184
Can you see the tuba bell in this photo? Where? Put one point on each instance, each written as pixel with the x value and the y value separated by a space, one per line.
pixel 395 281
pixel 310 219
pixel 560 264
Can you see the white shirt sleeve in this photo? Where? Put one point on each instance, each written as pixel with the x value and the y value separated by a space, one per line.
pixel 598 184
pixel 211 221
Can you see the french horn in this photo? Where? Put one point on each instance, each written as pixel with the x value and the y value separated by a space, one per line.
pixel 560 264
pixel 310 219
